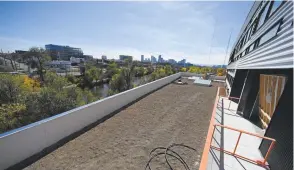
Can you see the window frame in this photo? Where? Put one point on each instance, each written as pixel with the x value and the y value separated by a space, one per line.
pixel 278 23
pixel 268 16
pixel 272 3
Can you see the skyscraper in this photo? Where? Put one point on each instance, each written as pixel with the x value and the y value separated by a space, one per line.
pixel 153 59
pixel 160 59
pixel 142 58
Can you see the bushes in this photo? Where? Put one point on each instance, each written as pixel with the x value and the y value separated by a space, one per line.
pixel 22 104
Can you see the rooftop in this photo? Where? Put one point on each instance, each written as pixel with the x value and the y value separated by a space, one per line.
pixel 172 114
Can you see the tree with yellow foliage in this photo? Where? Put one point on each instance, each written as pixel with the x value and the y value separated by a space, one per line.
pixel 31 84
pixel 221 71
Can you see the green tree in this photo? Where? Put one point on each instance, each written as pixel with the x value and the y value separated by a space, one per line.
pixel 54 81
pixel 117 83
pixel 93 73
pixel 11 88
pixel 37 57
pixel 168 70
pixel 112 69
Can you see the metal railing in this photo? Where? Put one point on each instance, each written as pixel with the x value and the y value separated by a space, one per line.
pixel 258 162
pixel 231 100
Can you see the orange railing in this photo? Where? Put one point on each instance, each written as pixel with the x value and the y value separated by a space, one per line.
pixel 231 100
pixel 258 162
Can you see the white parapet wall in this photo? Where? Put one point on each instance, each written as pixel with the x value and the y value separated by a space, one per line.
pixel 24 142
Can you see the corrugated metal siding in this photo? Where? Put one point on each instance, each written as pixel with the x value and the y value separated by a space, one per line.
pixel 278 52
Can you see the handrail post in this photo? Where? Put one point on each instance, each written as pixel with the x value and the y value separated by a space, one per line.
pixel 212 134
pixel 237 143
pixel 268 152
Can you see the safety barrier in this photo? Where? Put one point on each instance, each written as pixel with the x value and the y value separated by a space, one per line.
pixel 258 162
pixel 24 142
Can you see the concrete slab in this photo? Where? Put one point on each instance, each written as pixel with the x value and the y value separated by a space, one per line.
pixel 226 138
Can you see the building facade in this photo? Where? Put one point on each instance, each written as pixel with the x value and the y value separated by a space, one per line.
pixel 124 57
pixel 59 52
pixel 153 59
pixel 260 74
pixel 160 59
pixel 142 58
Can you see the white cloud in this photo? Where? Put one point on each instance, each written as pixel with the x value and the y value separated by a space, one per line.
pixel 173 29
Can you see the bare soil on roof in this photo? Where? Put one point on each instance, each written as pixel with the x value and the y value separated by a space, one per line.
pixel 172 114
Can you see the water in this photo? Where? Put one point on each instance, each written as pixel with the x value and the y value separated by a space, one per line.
pixel 137 81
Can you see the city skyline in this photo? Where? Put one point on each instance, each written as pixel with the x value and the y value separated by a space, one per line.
pixel 172 29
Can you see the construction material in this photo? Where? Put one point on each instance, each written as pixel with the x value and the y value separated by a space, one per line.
pixel 193 78
pixel 271 88
pixel 202 82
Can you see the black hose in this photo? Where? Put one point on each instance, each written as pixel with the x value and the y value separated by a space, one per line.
pixel 169 152
pixel 182 160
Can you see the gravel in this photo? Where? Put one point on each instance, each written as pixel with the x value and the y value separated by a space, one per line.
pixel 172 114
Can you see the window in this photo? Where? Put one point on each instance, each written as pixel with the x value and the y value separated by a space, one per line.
pixel 275 6
pixel 263 15
pixel 270 34
pixel 251 47
pixel 254 26
pixel 248 34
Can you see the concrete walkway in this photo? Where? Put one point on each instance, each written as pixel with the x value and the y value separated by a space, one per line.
pixel 226 138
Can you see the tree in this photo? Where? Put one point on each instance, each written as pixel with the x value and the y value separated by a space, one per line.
pixel 54 81
pixel 221 71
pixel 117 83
pixel 93 73
pixel 183 69
pixel 168 70
pixel 11 87
pixel 37 57
pixel 112 69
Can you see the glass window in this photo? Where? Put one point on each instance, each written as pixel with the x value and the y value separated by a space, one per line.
pixel 263 14
pixel 275 5
pixel 270 34
pixel 251 48
pixel 254 26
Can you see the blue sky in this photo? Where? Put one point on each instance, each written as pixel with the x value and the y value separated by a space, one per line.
pixel 173 29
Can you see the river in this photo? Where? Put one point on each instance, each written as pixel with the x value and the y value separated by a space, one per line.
pixel 103 89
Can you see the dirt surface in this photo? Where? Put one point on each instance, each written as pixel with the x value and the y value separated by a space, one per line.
pixel 172 114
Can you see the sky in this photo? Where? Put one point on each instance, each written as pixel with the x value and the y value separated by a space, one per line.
pixel 196 31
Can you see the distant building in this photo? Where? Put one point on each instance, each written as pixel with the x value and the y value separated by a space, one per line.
pixel 147 60
pixel 76 60
pixel 160 59
pixel 182 61
pixel 172 61
pixel 124 57
pixel 142 58
pixel 20 51
pixel 59 52
pixel 58 64
pixel 104 57
pixel 88 57
pixel 153 59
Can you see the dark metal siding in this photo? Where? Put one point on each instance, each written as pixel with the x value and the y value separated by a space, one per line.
pixel 281 129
